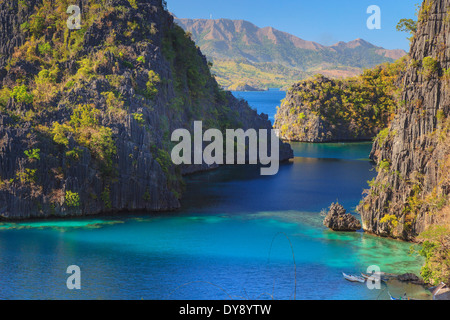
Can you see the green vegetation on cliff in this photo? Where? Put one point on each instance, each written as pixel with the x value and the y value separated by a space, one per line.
pixel 320 109
pixel 436 251
pixel 410 197
pixel 99 104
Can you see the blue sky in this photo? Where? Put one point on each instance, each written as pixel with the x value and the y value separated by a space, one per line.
pixel 323 21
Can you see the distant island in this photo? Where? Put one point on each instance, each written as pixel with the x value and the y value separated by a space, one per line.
pixel 268 58
pixel 242 86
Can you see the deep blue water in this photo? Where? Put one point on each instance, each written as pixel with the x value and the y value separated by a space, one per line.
pixel 231 239
pixel 264 101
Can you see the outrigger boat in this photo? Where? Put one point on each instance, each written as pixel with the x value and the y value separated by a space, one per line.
pixel 435 290
pixel 371 277
pixel 401 298
pixel 383 277
pixel 365 276
pixel 352 278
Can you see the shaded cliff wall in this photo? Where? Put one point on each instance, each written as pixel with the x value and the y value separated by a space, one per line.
pixel 86 116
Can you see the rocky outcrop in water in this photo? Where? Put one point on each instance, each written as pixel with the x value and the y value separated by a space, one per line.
pixel 409 277
pixel 412 188
pixel 86 115
pixel 339 220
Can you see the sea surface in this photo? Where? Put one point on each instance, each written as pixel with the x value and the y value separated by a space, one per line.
pixel 264 101
pixel 238 235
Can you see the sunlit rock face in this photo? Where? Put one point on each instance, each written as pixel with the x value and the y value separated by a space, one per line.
pixel 412 188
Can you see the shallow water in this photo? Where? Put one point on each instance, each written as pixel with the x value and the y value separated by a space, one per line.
pixel 238 235
pixel 234 232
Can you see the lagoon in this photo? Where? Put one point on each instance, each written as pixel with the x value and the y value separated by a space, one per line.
pixel 238 235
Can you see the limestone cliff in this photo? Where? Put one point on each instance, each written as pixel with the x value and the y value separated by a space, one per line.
pixel 412 188
pixel 86 115
pixel 325 110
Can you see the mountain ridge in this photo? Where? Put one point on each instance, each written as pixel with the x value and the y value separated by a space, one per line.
pixel 271 30
pixel 225 40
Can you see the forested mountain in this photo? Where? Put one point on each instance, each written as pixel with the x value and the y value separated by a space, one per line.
pixel 241 51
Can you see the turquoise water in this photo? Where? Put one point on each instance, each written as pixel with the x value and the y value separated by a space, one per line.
pixel 238 235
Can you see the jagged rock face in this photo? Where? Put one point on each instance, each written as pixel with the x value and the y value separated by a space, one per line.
pixel 11 36
pixel 325 110
pixel 298 118
pixel 339 220
pixel 413 184
pixel 118 159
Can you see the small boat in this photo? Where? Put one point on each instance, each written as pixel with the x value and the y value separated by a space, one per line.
pixel 405 297
pixel 382 277
pixel 372 277
pixel 365 276
pixel 352 278
pixel 435 290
